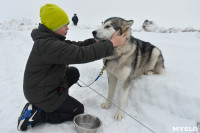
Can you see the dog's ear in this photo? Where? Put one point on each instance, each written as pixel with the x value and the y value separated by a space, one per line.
pixel 128 23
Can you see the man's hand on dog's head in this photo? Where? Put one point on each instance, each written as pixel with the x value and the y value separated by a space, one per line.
pixel 118 40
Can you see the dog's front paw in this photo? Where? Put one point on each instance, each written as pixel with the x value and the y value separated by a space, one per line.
pixel 105 105
pixel 119 115
pixel 148 73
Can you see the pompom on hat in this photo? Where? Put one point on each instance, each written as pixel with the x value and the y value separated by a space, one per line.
pixel 53 17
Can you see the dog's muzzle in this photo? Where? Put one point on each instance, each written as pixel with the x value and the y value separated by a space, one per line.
pixel 95 36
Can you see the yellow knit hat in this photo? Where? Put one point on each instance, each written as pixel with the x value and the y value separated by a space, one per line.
pixel 53 17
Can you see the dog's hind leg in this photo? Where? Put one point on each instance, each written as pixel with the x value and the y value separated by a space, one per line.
pixel 112 83
pixel 152 63
pixel 159 65
pixel 123 99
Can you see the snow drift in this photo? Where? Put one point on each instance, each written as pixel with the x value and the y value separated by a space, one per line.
pixel 161 102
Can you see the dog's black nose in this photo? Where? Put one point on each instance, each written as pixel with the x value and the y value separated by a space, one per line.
pixel 94 33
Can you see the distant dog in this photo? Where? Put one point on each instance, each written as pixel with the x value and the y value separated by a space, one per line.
pixel 150 26
pixel 128 62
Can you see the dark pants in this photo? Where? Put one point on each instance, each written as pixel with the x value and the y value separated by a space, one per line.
pixel 75 23
pixel 71 107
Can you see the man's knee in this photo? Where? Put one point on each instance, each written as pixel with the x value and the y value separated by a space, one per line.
pixel 76 72
pixel 72 74
pixel 73 71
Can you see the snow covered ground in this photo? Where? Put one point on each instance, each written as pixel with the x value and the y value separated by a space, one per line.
pixel 161 102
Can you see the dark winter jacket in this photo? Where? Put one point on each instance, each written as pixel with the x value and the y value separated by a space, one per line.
pixel 75 19
pixel 46 65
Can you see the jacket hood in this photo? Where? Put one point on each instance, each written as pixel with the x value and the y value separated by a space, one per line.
pixel 43 32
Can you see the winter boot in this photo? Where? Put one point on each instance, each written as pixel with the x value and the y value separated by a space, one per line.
pixel 30 116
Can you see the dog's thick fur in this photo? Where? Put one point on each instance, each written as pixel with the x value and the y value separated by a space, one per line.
pixel 128 62
pixel 150 26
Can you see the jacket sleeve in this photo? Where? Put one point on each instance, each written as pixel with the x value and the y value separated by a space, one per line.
pixel 82 43
pixel 58 52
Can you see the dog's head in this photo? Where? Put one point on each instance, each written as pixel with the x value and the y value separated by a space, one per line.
pixel 149 26
pixel 110 26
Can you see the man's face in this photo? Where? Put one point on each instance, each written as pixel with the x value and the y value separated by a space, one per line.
pixel 63 30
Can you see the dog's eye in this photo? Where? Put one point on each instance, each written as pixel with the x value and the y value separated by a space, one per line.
pixel 106 27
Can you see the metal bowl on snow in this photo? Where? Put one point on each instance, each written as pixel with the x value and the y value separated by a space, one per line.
pixel 86 123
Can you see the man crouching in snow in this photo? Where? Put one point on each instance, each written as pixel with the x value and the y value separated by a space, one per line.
pixel 47 76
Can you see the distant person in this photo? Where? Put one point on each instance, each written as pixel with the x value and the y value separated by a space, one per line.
pixel 48 77
pixel 75 19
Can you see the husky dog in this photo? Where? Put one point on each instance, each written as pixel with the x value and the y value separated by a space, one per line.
pixel 150 26
pixel 128 62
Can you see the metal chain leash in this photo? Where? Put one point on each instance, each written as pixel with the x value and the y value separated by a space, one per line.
pixel 104 68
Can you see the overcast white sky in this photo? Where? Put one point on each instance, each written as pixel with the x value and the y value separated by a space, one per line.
pixel 167 13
